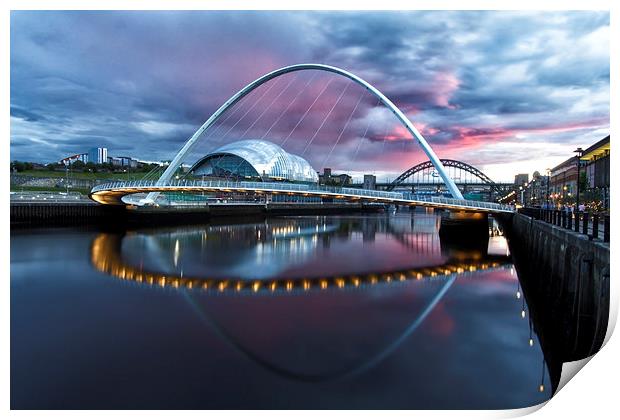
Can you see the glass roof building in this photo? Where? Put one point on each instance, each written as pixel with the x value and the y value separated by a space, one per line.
pixel 255 159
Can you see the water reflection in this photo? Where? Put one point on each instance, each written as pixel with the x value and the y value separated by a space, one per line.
pixel 106 256
pixel 309 312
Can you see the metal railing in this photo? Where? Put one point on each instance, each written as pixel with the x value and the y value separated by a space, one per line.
pixel 303 189
pixel 594 225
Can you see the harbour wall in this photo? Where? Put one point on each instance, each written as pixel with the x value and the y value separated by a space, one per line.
pixel 565 280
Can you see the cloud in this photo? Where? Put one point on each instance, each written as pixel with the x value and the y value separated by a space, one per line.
pixel 475 83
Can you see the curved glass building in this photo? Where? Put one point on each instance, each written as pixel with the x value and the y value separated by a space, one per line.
pixel 255 159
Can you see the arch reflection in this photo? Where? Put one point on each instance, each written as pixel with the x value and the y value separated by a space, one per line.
pixel 106 256
pixel 109 255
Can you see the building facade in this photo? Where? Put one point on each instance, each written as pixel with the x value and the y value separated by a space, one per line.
pixel 521 180
pixel 254 160
pixel 595 163
pixel 329 178
pixel 370 182
pixel 98 155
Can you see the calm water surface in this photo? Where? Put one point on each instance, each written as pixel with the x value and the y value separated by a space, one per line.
pixel 368 311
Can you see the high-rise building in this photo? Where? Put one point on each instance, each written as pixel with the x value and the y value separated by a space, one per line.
pixel 98 155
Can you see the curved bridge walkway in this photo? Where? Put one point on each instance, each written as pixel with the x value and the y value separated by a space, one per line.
pixel 113 192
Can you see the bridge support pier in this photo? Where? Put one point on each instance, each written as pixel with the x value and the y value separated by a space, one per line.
pixel 465 226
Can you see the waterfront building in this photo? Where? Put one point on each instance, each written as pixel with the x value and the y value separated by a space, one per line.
pixel 595 163
pixel 254 160
pixel 563 182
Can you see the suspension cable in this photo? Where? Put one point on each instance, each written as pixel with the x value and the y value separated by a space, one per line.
pixel 343 129
pixel 289 105
pixel 326 117
pixel 308 110
pixel 271 85
pixel 359 144
pixel 269 106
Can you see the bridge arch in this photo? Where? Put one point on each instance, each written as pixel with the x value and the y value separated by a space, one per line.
pixel 187 147
pixel 446 163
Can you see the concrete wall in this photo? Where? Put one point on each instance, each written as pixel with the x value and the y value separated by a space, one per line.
pixel 565 279
pixel 67 214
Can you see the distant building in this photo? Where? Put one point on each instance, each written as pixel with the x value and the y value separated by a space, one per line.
pixel 114 161
pixel 328 178
pixel 535 192
pixel 370 182
pixel 128 162
pixel 521 180
pixel 98 155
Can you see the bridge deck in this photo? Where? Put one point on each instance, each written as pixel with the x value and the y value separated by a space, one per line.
pixel 113 192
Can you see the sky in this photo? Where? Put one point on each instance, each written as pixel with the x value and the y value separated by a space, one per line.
pixel 507 92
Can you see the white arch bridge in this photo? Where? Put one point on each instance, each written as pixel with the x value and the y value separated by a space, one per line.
pixel 112 193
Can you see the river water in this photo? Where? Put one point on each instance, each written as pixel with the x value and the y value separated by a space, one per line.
pixel 355 312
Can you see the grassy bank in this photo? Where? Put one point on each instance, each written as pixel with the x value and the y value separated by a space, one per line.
pixel 132 176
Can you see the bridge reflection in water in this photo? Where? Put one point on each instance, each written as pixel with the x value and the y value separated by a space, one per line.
pixel 293 242
pixel 165 261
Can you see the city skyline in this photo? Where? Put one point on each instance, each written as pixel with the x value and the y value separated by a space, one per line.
pixel 507 98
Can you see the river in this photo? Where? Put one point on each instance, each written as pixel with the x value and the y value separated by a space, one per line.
pixel 326 312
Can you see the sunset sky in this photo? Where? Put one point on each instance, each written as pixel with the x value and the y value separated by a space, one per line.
pixel 507 92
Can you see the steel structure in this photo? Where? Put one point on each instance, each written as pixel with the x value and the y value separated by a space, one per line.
pixel 449 163
pixel 259 158
pixel 188 146
pixel 113 193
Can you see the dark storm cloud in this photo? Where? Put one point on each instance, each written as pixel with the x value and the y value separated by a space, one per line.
pixel 141 82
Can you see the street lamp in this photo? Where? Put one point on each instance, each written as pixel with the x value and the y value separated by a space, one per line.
pixel 579 152
pixel 548 181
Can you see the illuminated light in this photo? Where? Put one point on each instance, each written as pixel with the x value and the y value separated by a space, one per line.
pixel 518 295
pixel 523 313
pixel 459 270
pixel 323 284
pixel 221 286
pixel 205 285
pixel 531 342
pixel 255 286
pixel 402 277
pixel 356 281
pixel 239 286
pixel 289 286
pixel 388 278
pixel 472 268
pixel 446 272
pixel 306 285
pixel 373 279
pixel 175 284
pixel 419 276
pixel 273 286
pixel 340 282
pixel 162 282
pixel 541 388
pixel 190 284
